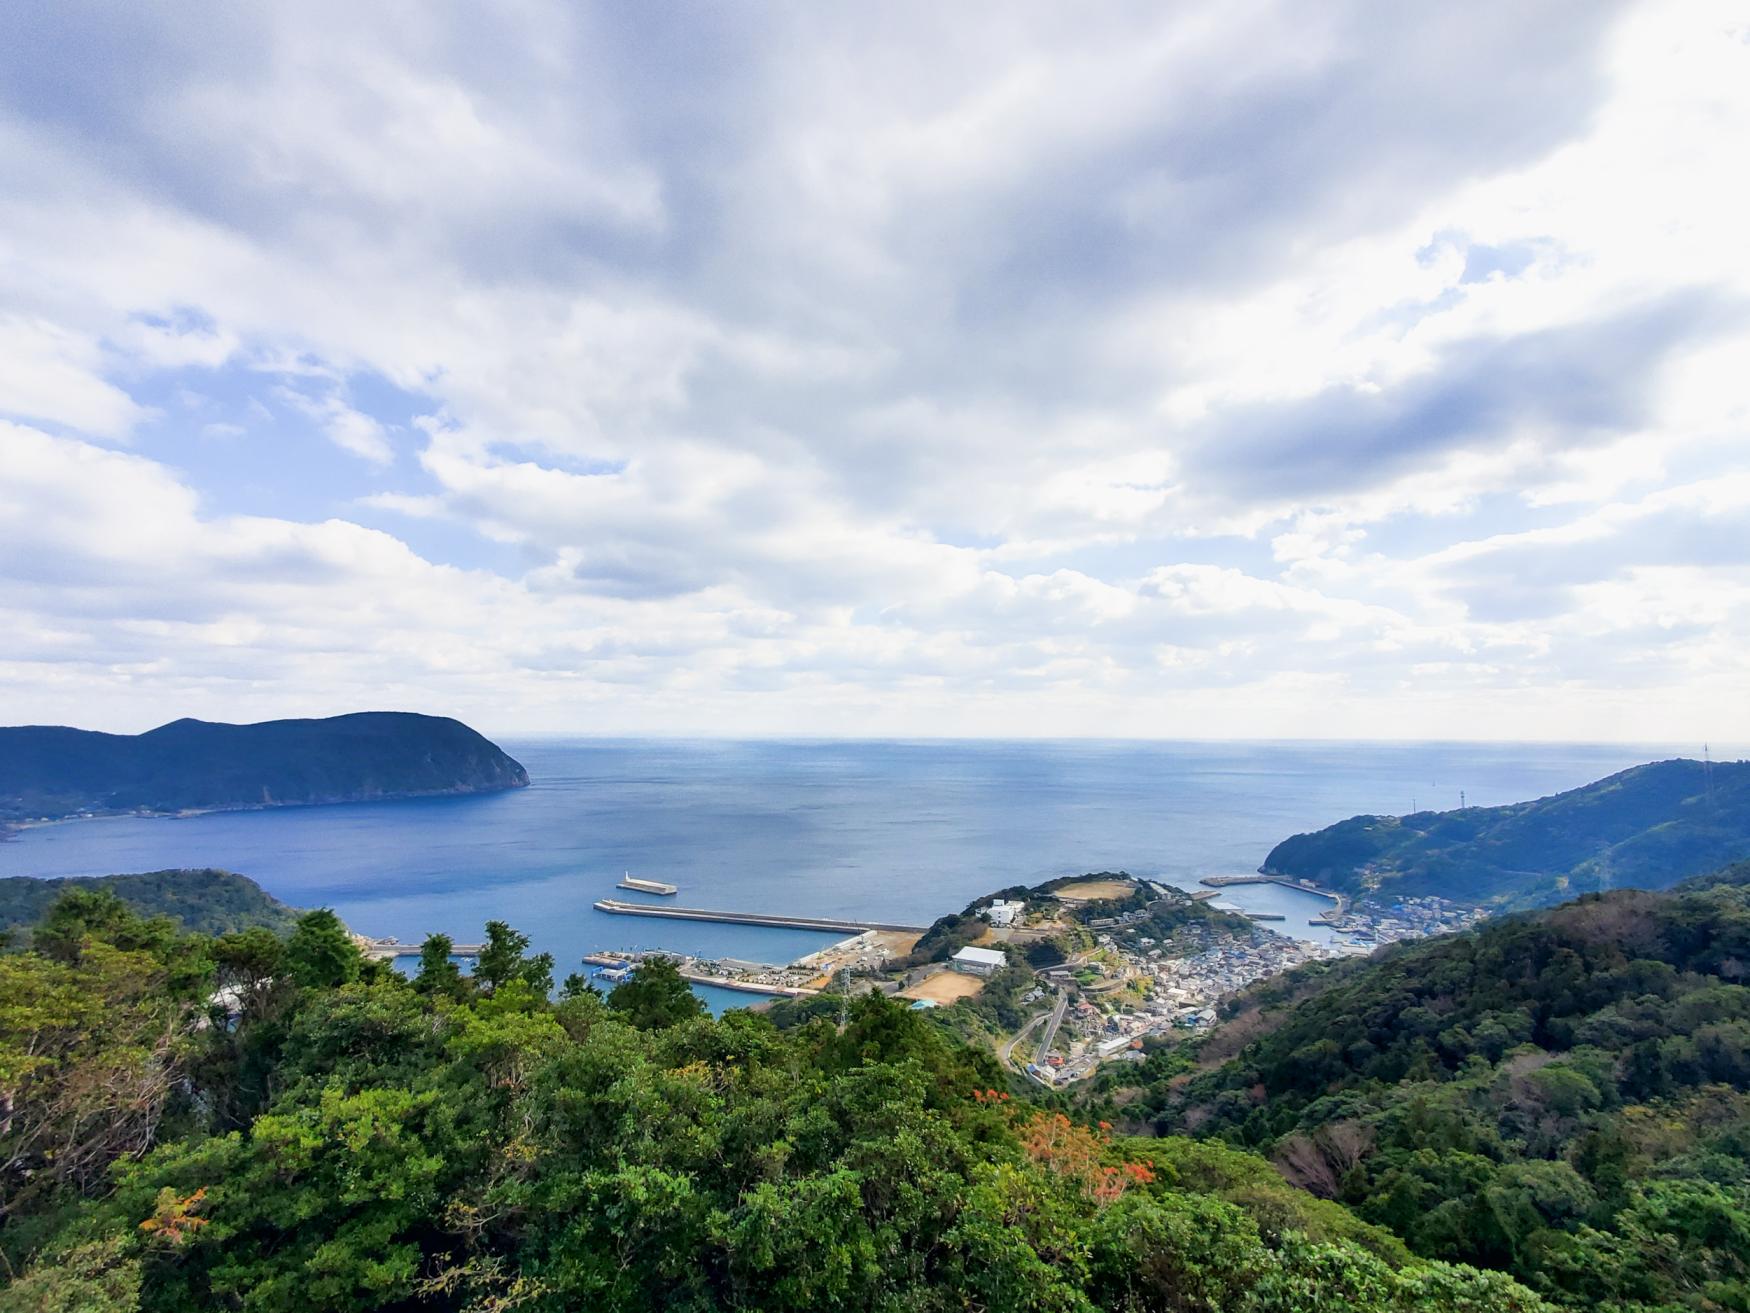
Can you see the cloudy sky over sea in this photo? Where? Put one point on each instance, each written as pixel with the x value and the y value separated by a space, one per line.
pixel 1112 369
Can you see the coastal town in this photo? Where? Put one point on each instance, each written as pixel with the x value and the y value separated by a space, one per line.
pixel 1068 975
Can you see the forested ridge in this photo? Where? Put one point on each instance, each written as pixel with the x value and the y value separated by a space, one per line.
pixel 1562 1095
pixel 268 1123
pixel 1647 827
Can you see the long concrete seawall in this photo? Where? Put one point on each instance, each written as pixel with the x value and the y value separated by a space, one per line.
pixel 619 908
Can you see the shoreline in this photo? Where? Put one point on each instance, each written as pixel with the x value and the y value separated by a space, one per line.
pixel 11 829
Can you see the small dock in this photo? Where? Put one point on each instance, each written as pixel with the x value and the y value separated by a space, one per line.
pixel 843 926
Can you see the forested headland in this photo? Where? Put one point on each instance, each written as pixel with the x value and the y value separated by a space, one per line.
pixel 50 771
pixel 1647 828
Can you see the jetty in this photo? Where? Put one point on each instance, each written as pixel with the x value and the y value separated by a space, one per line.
pixel 1333 916
pixel 637 885
pixel 840 924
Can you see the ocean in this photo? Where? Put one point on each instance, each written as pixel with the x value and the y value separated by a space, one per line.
pixel 877 830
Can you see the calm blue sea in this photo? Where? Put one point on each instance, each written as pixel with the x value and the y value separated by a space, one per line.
pixel 896 831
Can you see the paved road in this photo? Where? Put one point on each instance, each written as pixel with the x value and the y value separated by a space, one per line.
pixel 1021 1034
pixel 1052 1025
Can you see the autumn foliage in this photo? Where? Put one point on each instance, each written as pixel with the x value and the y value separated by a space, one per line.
pixel 1079 1155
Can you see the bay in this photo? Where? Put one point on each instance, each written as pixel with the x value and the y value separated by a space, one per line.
pixel 880 830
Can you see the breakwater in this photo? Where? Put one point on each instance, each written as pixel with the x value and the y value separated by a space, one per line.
pixel 1332 917
pixel 619 908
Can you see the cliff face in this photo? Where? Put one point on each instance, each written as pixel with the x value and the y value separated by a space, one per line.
pixel 1647 827
pixel 53 771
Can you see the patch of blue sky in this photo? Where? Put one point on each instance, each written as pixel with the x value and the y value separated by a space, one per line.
pixel 242 439
pixel 1131 560
pixel 1406 536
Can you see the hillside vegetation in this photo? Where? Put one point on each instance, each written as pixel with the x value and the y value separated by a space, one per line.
pixel 350 1139
pixel 1562 1095
pixel 52 771
pixel 206 902
pixel 1647 828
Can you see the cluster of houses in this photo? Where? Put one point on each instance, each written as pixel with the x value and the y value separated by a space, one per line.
pixel 1186 989
pixel 1132 986
pixel 1369 925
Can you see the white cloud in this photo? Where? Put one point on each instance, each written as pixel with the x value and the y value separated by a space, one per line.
pixel 1254 369
pixel 51 374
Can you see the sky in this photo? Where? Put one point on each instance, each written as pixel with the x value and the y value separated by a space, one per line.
pixel 1258 370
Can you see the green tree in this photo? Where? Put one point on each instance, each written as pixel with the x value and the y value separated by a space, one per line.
pixel 501 958
pixel 655 996
pixel 321 954
pixel 438 972
pixel 97 1277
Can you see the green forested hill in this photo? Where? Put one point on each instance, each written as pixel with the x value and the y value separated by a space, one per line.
pixel 350 1139
pixel 52 771
pixel 1564 1095
pixel 208 902
pixel 1647 827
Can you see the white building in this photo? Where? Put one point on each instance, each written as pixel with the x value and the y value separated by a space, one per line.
pixel 1002 913
pixel 978 961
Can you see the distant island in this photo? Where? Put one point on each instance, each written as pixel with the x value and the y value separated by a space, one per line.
pixel 52 772
pixel 1647 827
pixel 206 902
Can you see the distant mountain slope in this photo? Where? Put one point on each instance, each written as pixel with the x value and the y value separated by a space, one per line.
pixel 1563 1094
pixel 206 902
pixel 1647 827
pixel 191 764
